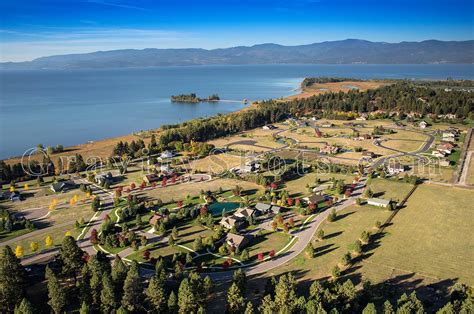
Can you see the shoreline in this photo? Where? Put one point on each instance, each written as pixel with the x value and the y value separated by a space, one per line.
pixel 95 148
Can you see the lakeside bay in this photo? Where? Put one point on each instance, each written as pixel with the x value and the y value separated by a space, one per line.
pixel 72 107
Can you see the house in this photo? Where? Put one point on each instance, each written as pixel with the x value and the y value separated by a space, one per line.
pixel 245 212
pixel 317 199
pixel 327 125
pixel 152 177
pixel 269 127
pixel 368 154
pixel 329 149
pixel 362 117
pixel 449 139
pixel 444 163
pixel 155 218
pixel 320 189
pixel 12 196
pixel 438 153
pixel 444 149
pixel 62 186
pixel 423 124
pixel 103 178
pixel 449 134
pixel 166 154
pixel 236 241
pixel 165 168
pixel 233 222
pixel 447 145
pixel 395 168
pixel 262 208
pixel 379 202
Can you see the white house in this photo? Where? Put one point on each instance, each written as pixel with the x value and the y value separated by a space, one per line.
pixel 437 153
pixel 166 154
pixel 423 124
pixel 379 202
pixel 395 168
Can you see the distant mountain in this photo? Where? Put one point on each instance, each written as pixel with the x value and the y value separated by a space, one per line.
pixel 347 51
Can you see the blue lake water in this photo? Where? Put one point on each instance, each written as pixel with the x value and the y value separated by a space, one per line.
pixel 75 106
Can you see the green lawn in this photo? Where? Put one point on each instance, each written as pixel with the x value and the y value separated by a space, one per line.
pixel 431 237
pixel 339 238
pixel 390 189
pixel 265 243
pixel 297 187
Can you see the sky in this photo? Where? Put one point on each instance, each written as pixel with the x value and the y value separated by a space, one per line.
pixel 33 28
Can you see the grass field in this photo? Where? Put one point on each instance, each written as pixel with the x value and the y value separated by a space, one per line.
pixel 298 186
pixel 340 235
pixel 266 242
pixel 431 237
pixel 470 173
pixel 179 191
pixel 390 189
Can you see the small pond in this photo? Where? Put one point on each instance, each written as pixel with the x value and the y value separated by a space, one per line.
pixel 217 208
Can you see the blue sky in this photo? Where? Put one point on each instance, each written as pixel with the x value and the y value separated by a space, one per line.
pixel 35 28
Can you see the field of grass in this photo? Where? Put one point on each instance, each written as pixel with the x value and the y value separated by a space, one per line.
pixel 297 187
pixel 216 163
pixel 57 234
pixel 431 237
pixel 179 191
pixel 470 173
pixel 266 242
pixel 434 173
pixel 340 236
pixel 390 189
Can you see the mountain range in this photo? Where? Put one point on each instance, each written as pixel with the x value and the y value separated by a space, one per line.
pixel 349 51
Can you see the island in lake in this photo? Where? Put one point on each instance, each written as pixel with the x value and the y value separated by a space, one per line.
pixel 193 98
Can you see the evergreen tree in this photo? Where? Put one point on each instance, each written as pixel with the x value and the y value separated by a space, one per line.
pixel 387 308
pixel 249 308
pixel 71 255
pixel 56 294
pixel 108 301
pixel 285 294
pixel 240 279
pixel 25 307
pixel 85 308
pixel 155 294
pixel 172 303
pixel 12 280
pixel 132 287
pixel 235 299
pixel 208 285
pixel 370 309
pixel 119 273
pixel 186 299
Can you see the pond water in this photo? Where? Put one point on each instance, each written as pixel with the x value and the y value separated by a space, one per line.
pixel 216 209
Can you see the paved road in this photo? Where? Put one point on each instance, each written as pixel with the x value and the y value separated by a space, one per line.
pixel 465 169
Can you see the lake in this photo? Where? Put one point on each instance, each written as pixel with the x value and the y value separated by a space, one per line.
pixel 75 106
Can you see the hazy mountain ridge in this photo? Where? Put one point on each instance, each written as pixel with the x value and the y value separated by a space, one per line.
pixel 330 52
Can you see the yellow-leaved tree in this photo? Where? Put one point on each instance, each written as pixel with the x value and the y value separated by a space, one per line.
pixel 19 251
pixel 48 242
pixel 34 246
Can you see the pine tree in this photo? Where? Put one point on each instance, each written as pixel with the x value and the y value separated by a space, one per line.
pixel 388 308
pixel 186 299
pixel 85 308
pixel 172 303
pixel 285 294
pixel 119 273
pixel 25 307
pixel 235 300
pixel 132 287
pixel 71 255
pixel 56 294
pixel 108 301
pixel 249 308
pixel 12 281
pixel 240 279
pixel 370 309
pixel 208 285
pixel 155 294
